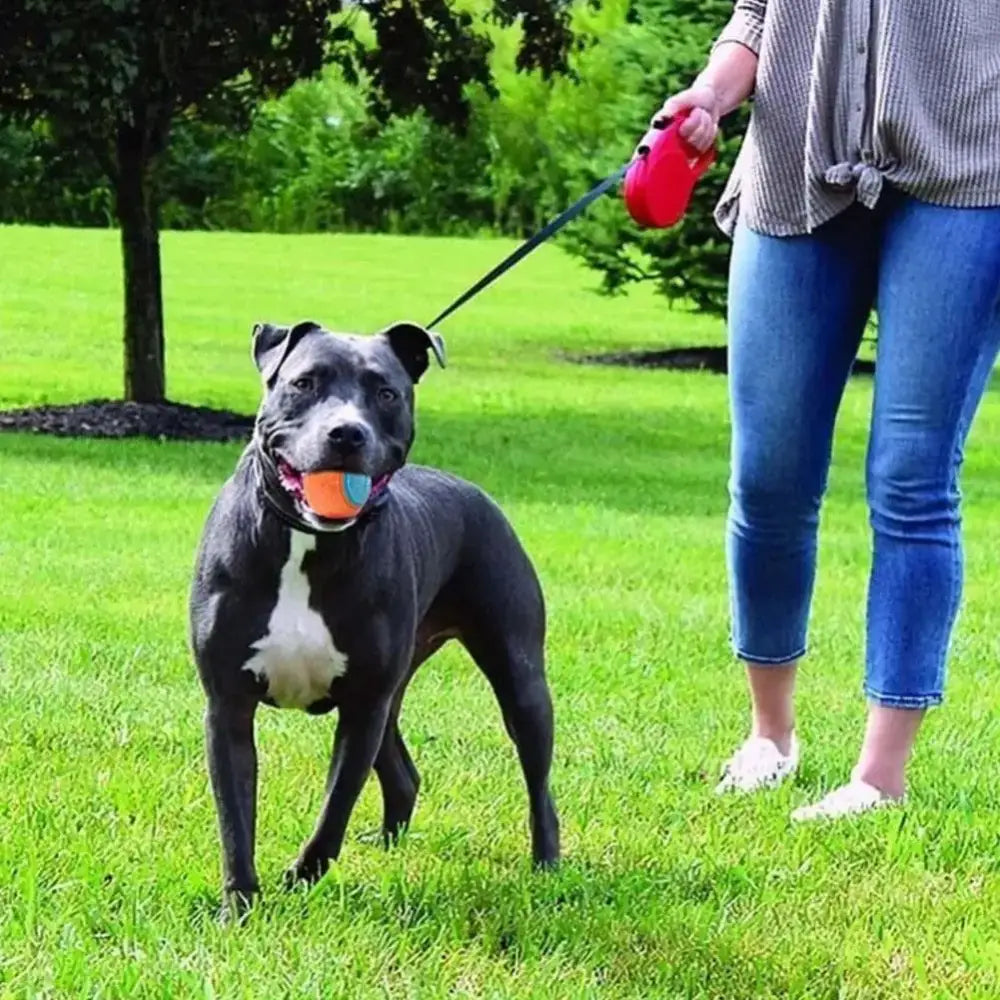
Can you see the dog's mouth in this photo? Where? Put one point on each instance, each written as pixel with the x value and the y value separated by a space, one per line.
pixel 292 482
pixel 353 493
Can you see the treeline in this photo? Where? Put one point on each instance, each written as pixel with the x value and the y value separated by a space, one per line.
pixel 316 159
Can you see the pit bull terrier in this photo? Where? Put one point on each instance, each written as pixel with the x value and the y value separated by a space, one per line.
pixel 295 610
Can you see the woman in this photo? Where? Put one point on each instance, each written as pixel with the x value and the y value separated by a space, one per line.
pixel 869 178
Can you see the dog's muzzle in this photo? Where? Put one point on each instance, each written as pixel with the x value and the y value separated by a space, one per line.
pixel 283 490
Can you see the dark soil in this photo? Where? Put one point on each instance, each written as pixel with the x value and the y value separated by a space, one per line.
pixel 707 359
pixel 105 418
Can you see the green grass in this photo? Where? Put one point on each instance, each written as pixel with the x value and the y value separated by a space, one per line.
pixel 615 480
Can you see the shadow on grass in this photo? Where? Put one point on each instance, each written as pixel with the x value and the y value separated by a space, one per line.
pixel 645 923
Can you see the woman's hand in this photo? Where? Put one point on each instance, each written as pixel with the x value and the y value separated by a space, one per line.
pixel 703 108
pixel 722 86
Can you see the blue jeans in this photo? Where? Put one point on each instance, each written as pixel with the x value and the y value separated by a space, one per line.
pixel 797 311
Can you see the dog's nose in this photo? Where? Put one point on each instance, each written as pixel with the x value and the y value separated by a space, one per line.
pixel 348 435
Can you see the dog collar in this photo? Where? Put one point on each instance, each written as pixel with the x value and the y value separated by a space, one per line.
pixel 276 498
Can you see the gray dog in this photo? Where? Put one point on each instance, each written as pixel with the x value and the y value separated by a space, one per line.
pixel 296 610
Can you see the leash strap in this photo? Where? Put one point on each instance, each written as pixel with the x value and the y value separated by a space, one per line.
pixel 533 241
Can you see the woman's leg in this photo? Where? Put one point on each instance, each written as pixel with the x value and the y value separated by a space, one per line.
pixel 939 330
pixel 797 310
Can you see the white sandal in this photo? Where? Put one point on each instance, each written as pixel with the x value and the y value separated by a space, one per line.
pixel 757 765
pixel 852 799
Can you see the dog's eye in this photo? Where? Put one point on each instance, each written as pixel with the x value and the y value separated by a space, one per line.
pixel 387 395
pixel 304 383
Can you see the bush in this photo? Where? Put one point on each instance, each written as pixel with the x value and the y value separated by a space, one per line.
pixel 42 184
pixel 553 140
pixel 316 161
pixel 313 160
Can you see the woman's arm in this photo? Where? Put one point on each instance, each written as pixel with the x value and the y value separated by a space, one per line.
pixel 730 72
pixel 746 26
pixel 726 82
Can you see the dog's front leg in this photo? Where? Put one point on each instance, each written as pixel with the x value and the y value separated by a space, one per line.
pixel 355 746
pixel 232 764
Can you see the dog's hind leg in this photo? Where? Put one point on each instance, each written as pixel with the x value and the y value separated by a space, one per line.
pixel 396 772
pixel 513 662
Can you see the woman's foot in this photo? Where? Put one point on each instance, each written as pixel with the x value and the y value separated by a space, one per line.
pixel 852 799
pixel 757 765
pixel 889 736
pixel 879 778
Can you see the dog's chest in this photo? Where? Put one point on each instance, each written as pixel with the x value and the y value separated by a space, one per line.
pixel 296 657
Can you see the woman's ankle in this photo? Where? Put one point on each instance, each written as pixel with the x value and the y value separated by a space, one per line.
pixel 779 732
pixel 772 699
pixel 889 736
pixel 890 781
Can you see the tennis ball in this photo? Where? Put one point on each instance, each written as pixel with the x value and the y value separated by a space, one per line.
pixel 336 495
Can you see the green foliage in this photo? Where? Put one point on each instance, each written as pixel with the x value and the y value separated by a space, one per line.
pixel 103 67
pixel 44 183
pixel 556 138
pixel 99 66
pixel 423 54
pixel 527 143
pixel 316 161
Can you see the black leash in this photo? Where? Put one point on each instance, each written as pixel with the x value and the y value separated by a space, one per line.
pixel 533 241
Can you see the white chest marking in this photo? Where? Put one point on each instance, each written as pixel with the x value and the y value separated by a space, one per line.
pixel 296 656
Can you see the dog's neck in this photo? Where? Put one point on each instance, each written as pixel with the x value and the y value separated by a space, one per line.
pixel 276 500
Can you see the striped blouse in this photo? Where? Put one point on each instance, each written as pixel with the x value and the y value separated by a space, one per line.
pixel 852 94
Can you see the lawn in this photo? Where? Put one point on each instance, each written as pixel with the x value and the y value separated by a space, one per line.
pixel 615 479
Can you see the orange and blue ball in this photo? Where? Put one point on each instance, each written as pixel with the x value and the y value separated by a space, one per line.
pixel 336 495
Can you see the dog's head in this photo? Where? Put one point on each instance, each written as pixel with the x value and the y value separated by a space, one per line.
pixel 336 401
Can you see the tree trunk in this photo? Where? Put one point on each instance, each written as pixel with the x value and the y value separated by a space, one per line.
pixel 137 216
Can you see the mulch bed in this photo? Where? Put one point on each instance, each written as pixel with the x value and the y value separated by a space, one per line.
pixel 105 418
pixel 707 359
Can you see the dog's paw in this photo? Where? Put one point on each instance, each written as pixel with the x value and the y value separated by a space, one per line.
pixel 307 869
pixel 236 905
pixel 546 864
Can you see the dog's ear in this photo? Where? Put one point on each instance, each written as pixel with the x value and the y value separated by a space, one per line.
pixel 410 343
pixel 272 344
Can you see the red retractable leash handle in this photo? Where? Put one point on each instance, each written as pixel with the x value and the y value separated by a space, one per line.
pixel 661 179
